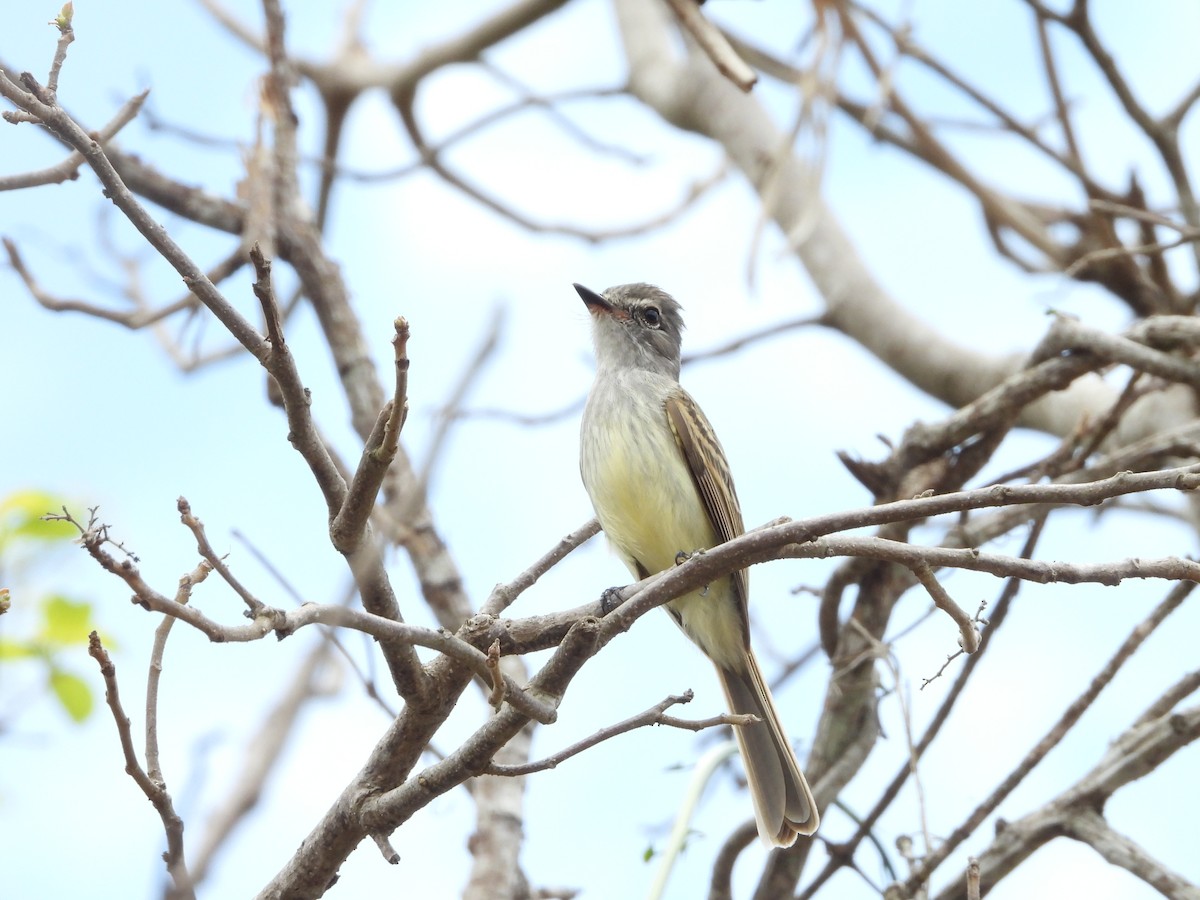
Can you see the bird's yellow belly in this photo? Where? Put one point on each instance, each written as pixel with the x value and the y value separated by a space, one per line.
pixel 645 498
pixel 650 511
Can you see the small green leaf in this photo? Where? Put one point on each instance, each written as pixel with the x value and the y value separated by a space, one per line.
pixel 21 516
pixel 66 622
pixel 10 649
pixel 63 20
pixel 73 693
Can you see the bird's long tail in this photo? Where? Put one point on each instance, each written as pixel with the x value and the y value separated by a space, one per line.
pixel 783 803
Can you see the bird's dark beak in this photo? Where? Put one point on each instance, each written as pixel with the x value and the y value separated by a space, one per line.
pixel 595 303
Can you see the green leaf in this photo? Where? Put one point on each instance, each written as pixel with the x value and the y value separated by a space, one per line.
pixel 10 649
pixel 63 20
pixel 21 516
pixel 73 693
pixel 66 622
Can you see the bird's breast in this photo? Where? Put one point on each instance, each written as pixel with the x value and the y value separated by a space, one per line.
pixel 637 478
pixel 649 507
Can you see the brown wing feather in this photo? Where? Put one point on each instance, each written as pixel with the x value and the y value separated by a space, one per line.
pixel 710 472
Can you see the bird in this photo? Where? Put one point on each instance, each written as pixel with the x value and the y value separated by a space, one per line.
pixel 662 490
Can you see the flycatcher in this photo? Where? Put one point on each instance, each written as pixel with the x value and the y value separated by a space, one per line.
pixel 660 485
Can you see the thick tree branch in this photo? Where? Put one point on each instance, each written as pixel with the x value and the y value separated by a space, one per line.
pixel 364 557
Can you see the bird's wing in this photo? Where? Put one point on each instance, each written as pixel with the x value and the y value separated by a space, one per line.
pixel 710 471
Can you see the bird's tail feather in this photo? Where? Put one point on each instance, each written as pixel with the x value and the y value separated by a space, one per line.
pixel 783 804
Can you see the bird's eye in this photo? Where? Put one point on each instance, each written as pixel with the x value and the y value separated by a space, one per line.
pixel 651 316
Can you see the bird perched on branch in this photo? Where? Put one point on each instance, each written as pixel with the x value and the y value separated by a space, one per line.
pixel 661 487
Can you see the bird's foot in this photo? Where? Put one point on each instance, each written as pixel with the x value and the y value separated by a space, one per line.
pixel 610 600
pixel 683 556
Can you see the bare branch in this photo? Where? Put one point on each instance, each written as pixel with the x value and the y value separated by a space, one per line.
pixel 1061 108
pixel 503 595
pixel 186 584
pixel 1068 334
pixel 214 561
pixel 549 105
pixel 66 34
pixel 390 856
pixel 68 169
pixel 714 44
pixel 652 716
pixel 431 159
pixel 366 678
pixel 1172 696
pixel 1048 742
pixel 474 755
pixel 364 557
pixel 156 792
pixel 745 340
pixel 968 633
pixel 973 878
pixel 134 319
pixel 496 697
pixel 1143 215
pixel 267 620
pixel 1110 253
pixel 1164 139
pixel 66 129
pixel 1136 753
pixel 348 528
pixel 843 854
pixel 1091 828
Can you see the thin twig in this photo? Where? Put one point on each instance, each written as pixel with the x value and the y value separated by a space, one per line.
pixel 1107 253
pixel 68 169
pixel 702 774
pixel 186 584
pixel 972 878
pixel 752 337
pixel 714 44
pixel 348 528
pixel 1049 741
pixel 196 527
pixel 66 34
pixel 503 595
pixel 267 620
pixel 155 792
pixel 968 633
pixel 652 716
pixel 365 678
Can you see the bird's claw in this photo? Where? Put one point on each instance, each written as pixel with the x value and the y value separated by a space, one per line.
pixel 610 600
